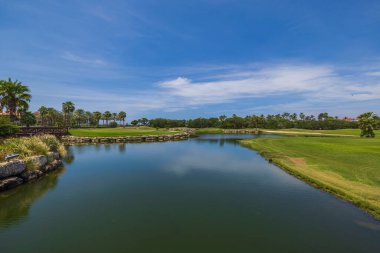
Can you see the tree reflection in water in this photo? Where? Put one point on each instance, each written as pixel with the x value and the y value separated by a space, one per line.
pixel 15 203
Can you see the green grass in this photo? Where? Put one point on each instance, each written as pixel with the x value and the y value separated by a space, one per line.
pixel 353 132
pixel 347 167
pixel 291 131
pixel 209 130
pixel 120 131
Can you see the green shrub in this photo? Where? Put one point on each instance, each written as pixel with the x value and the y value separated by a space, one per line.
pixel 6 128
pixel 28 119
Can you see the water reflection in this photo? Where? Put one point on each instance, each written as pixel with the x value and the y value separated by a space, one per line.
pixel 15 204
pixel 122 148
pixel 69 158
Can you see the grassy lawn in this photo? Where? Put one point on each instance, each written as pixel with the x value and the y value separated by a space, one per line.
pixel 209 130
pixel 347 167
pixel 355 132
pixel 119 131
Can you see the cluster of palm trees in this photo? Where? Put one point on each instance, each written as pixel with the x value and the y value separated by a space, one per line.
pixel 14 99
pixel 72 117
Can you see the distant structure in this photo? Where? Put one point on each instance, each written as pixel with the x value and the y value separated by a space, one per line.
pixel 346 119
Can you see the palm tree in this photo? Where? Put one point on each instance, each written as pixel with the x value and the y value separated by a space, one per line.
pixel 302 116
pixel 122 115
pixel 14 96
pixel 89 117
pixel 107 115
pixel 67 108
pixel 43 113
pixel 79 116
pixel 97 117
pixel 114 116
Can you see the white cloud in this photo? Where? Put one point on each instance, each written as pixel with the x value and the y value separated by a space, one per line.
pixel 374 73
pixel 316 82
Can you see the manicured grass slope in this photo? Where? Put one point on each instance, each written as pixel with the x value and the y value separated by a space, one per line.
pixel 355 132
pixel 348 167
pixel 209 130
pixel 110 132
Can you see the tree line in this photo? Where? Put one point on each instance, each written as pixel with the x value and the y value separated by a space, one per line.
pixel 14 103
pixel 72 117
pixel 270 121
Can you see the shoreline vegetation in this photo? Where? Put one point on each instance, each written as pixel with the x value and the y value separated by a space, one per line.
pixel 346 167
pixel 36 156
pixel 31 146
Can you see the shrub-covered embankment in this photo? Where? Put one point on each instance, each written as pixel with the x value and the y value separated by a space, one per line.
pixel 36 156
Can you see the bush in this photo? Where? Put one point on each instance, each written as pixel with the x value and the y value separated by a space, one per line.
pixel 28 119
pixel 6 128
pixel 113 124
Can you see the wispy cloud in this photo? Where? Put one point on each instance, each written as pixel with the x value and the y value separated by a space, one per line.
pixel 101 13
pixel 80 59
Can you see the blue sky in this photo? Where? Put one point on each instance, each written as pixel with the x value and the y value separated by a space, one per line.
pixel 183 59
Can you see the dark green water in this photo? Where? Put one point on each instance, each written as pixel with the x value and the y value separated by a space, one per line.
pixel 202 195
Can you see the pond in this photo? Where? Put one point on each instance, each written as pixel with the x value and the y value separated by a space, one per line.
pixel 206 194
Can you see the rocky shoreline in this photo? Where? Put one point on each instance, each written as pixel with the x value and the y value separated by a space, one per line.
pixel 17 172
pixel 241 131
pixel 69 139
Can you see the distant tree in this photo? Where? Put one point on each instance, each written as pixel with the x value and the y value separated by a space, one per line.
pixel 14 95
pixel 134 122
pixel 89 118
pixel 293 116
pixel 28 119
pixel 256 120
pixel 323 116
pixel 122 115
pixel 367 122
pixel 97 117
pixel 107 115
pixel 114 116
pixel 79 117
pixel 67 108
pixel 55 118
pixel 43 114
pixel 144 121
pixel 302 116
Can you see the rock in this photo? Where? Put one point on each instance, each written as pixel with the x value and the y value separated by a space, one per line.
pixel 52 166
pixel 12 168
pixel 124 139
pixel 10 182
pixel 53 156
pixel 30 175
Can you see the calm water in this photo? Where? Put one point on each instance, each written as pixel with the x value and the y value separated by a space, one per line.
pixel 202 195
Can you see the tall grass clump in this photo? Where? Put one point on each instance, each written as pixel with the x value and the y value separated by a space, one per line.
pixel 36 145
